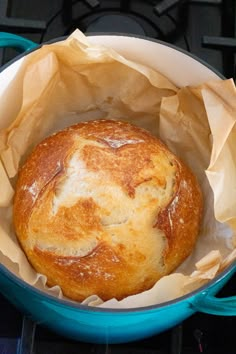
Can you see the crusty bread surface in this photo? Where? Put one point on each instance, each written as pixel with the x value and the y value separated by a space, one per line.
pixel 103 207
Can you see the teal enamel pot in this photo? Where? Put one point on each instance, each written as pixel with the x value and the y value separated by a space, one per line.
pixel 98 325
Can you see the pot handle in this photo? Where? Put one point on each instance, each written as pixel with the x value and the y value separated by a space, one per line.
pixel 17 42
pixel 216 306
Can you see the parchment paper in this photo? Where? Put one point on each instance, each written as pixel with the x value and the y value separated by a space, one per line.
pixel 69 81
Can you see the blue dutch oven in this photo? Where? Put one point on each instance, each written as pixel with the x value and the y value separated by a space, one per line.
pixel 98 325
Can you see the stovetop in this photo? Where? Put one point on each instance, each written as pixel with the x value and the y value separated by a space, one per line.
pixel 205 28
pixel 197 26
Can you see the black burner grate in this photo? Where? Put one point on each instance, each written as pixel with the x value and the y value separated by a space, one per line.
pixel 18 25
pixel 194 25
pixel 227 41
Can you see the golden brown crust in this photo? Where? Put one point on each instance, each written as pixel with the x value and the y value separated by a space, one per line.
pixel 181 218
pixel 105 208
pixel 46 162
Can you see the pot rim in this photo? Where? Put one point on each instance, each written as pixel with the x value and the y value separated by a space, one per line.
pixel 78 306
pixel 70 304
pixel 119 34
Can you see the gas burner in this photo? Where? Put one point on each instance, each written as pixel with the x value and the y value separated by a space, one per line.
pixel 116 23
pixel 132 17
pixel 184 23
pixel 165 20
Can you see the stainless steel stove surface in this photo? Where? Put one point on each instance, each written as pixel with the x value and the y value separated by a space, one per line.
pixel 197 26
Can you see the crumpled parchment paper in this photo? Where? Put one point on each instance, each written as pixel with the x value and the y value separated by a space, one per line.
pixel 72 80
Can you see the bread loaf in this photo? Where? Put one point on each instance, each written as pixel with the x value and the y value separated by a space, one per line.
pixel 103 207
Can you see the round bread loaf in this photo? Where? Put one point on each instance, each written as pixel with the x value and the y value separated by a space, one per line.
pixel 103 207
